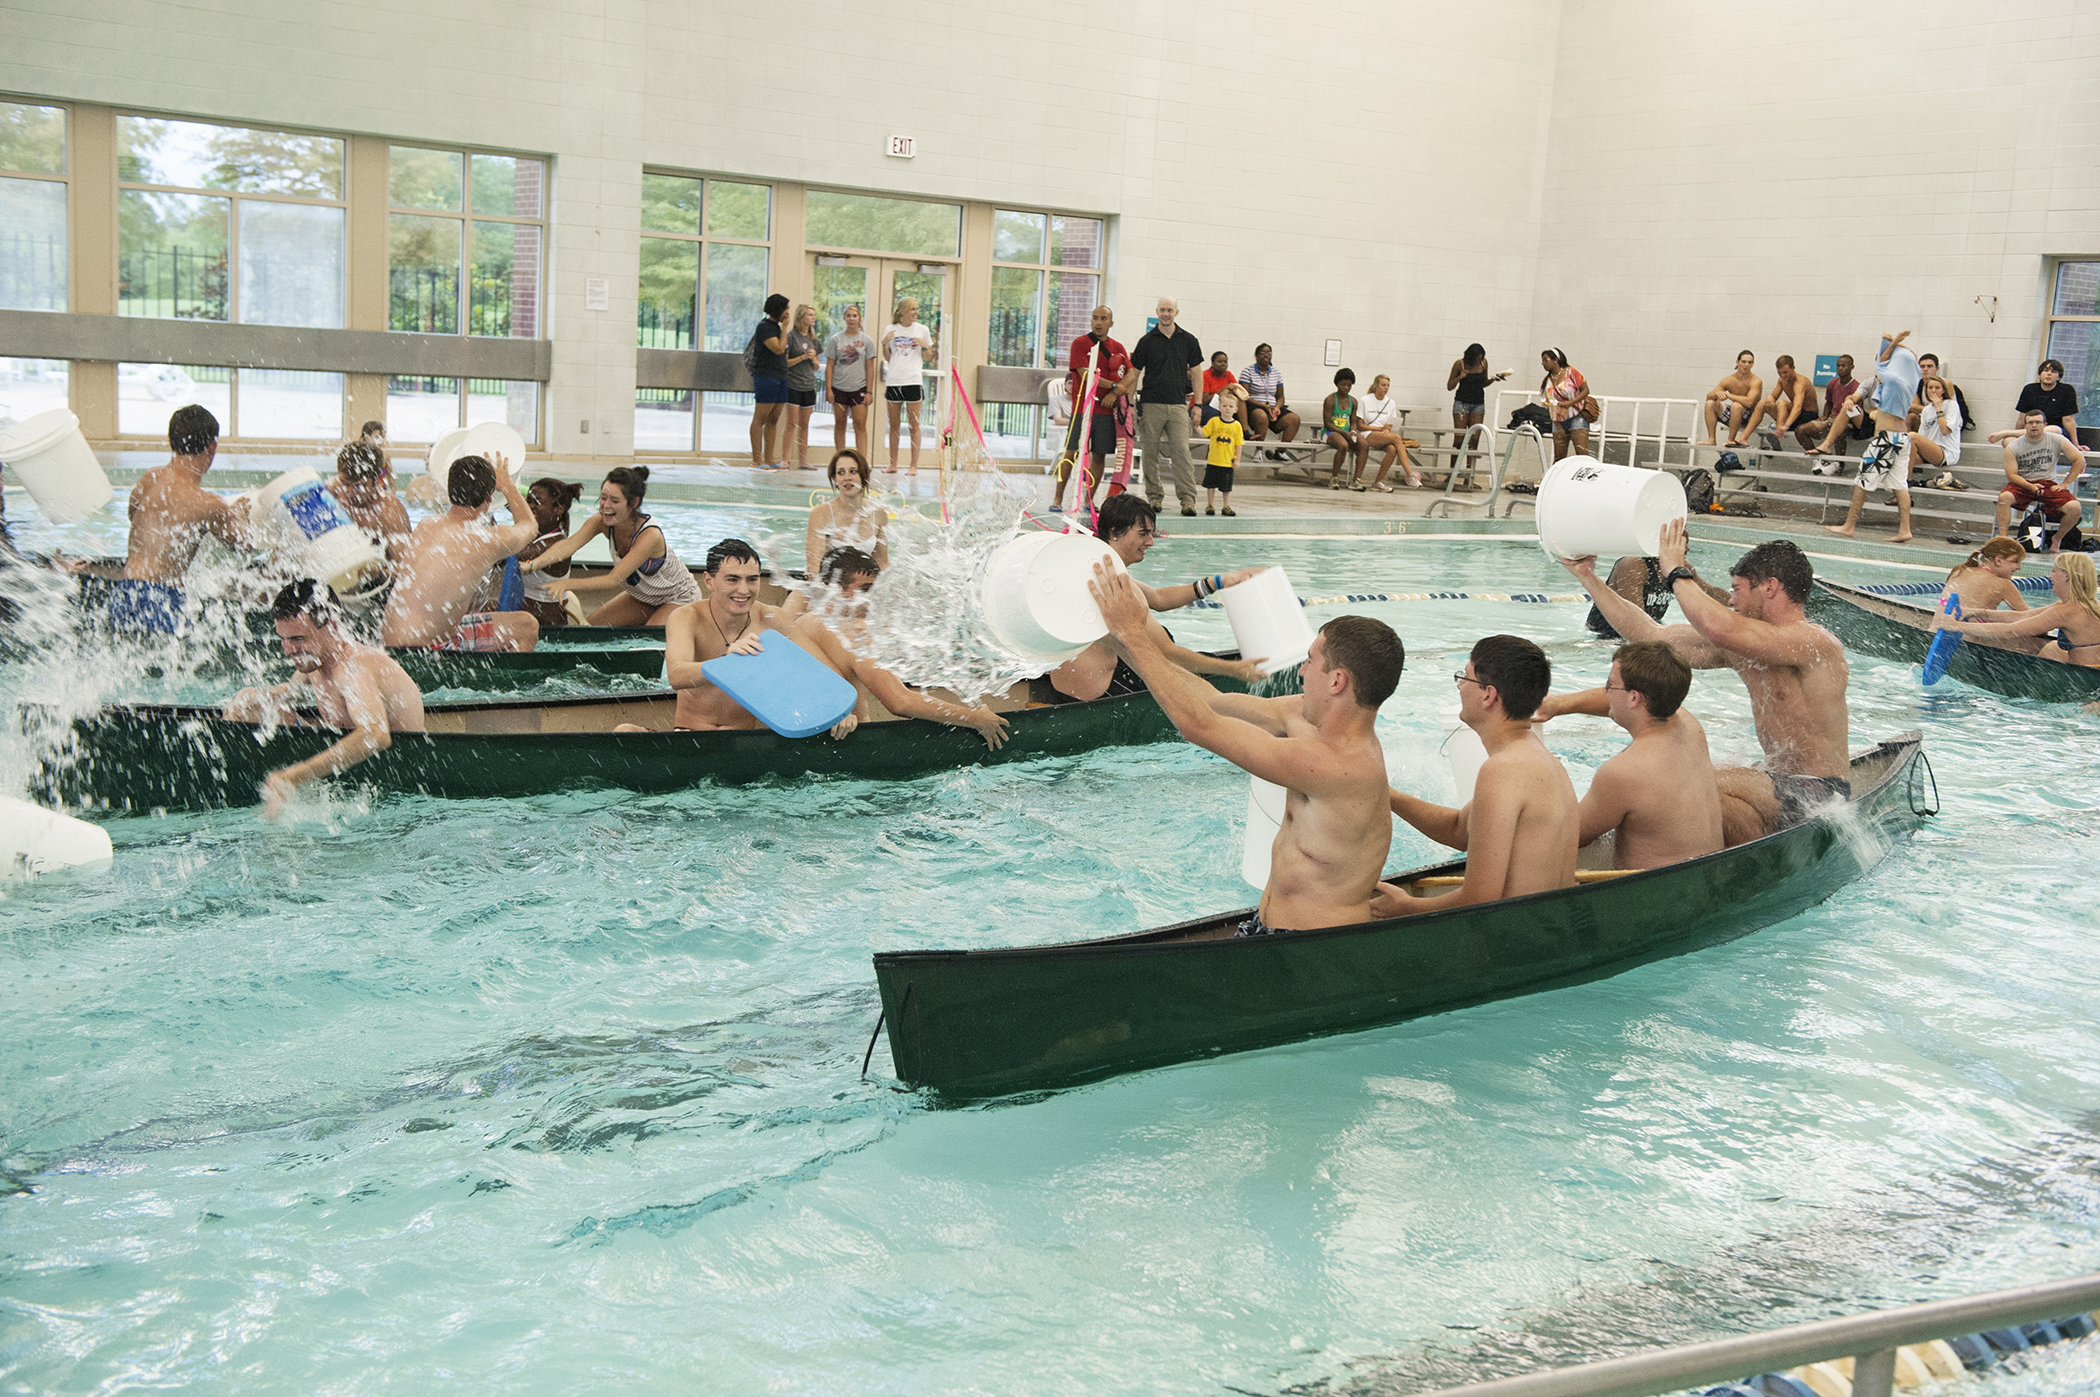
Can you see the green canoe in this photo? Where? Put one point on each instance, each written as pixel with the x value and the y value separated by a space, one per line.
pixel 147 756
pixel 522 669
pixel 1896 630
pixel 974 1024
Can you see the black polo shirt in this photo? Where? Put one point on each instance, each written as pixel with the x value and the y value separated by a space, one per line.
pixel 2056 403
pixel 1166 363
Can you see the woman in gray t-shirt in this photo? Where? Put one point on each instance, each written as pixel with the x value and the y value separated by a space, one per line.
pixel 802 352
pixel 847 355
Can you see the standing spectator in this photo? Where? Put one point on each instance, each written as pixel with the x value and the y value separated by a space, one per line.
pixel 1110 410
pixel 847 355
pixel 1792 401
pixel 1266 409
pixel 1468 384
pixel 1816 436
pixel 1216 379
pixel 907 348
pixel 1567 395
pixel 1733 399
pixel 2056 400
pixel 769 390
pixel 1381 423
pixel 1343 432
pixel 803 351
pixel 1169 362
pixel 1225 435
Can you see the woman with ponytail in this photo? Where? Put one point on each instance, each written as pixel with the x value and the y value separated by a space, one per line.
pixel 550 500
pixel 1985 581
pixel 654 582
pixel 2071 624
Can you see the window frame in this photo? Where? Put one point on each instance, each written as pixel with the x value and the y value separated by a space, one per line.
pixel 466 217
pixel 704 238
pixel 1052 353
pixel 2088 401
pixel 64 178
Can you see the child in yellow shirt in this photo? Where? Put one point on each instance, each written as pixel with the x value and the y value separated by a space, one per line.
pixel 1226 434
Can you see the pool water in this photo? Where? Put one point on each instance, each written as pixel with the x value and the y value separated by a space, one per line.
pixel 565 1095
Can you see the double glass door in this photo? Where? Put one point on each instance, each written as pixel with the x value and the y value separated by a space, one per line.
pixel 874 285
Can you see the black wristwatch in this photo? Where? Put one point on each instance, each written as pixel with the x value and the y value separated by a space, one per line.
pixel 1680 574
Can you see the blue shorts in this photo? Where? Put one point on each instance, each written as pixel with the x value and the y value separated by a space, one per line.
pixel 1466 409
pixel 152 607
pixel 769 390
pixel 1576 422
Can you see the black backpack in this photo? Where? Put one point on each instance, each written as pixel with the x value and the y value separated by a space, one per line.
pixel 1531 415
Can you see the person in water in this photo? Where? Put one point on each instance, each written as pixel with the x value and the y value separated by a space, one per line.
pixel 1640 581
pixel 171 516
pixel 1320 745
pixel 849 519
pixel 1796 673
pixel 1984 581
pixel 551 500
pixel 1659 793
pixel 348 685
pixel 2071 622
pixel 1521 829
pixel 652 581
pixel 447 561
pixel 837 636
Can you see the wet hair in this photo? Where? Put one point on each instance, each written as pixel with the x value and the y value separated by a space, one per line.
pixel 2056 364
pixel 1779 558
pixel 306 597
pixel 775 304
pixel 1518 671
pixel 1657 673
pixel 2085 580
pixel 1476 353
pixel 853 458
pixel 563 494
pixel 373 431
pixel 844 563
pixel 1342 376
pixel 1370 651
pixel 360 460
pixel 1784 361
pixel 192 430
pixel 729 548
pixel 1122 513
pixel 632 480
pixel 472 482
pixel 1993 549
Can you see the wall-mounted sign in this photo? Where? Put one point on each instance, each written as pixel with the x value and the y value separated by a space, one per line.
pixel 597 293
pixel 1334 354
pixel 904 147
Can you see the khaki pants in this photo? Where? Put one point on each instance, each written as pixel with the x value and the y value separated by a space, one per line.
pixel 1166 423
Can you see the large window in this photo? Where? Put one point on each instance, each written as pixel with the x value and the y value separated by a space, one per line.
pixel 32 207
pixel 30 386
pixel 229 223
pixel 706 256
pixel 423 409
pixel 464 232
pixel 2073 334
pixel 872 223
pixel 1046 281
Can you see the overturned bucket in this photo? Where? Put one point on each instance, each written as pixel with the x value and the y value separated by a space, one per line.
pixel 1036 599
pixel 1587 509
pixel 297 514
pixel 1268 623
pixel 52 459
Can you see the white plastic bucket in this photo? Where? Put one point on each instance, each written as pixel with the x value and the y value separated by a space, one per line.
pixel 489 440
pixel 1264 819
pixel 1587 509
pixel 1267 621
pixel 1463 749
pixel 1036 599
pixel 51 458
pixel 308 525
pixel 34 840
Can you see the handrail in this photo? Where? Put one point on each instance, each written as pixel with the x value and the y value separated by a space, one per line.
pixel 1601 431
pixel 1872 1339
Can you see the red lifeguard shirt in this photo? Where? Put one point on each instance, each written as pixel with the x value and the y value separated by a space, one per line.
pixel 1115 362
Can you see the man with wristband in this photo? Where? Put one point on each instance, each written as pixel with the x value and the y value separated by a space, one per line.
pixel 1129 526
pixel 1169 364
pixel 1795 672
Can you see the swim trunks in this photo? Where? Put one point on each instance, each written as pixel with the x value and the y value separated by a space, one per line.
pixel 1799 795
pixel 2047 494
pixel 476 635
pixel 1885 465
pixel 152 607
pixel 1255 926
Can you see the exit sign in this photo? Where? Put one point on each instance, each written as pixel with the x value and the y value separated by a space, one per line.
pixel 904 147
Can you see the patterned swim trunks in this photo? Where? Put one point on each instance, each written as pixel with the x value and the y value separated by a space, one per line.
pixel 476 635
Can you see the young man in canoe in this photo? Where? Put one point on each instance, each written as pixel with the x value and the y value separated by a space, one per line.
pixel 1129 524
pixel 849 572
pixel 727 619
pixel 349 685
pixel 441 569
pixel 1795 671
pixel 1321 746
pixel 171 515
pixel 1659 794
pixel 1521 829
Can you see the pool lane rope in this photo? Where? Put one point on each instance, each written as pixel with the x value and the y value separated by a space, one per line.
pixel 1425 596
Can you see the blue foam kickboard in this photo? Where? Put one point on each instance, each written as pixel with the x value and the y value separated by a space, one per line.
pixel 1941 652
pixel 783 686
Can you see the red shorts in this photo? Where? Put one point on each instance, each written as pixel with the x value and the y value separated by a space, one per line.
pixel 2047 493
pixel 476 634
pixel 849 397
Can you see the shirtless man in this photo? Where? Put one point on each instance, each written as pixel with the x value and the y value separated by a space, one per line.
pixel 446 560
pixel 727 619
pixel 352 686
pixel 2041 468
pixel 1659 794
pixel 1321 746
pixel 1795 671
pixel 1128 524
pixel 172 512
pixel 364 488
pixel 834 636
pixel 1791 402
pixel 1520 829
pixel 1733 399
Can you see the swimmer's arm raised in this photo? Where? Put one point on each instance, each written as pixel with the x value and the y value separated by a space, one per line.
pixel 1626 617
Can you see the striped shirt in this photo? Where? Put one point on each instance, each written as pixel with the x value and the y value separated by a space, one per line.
pixel 1262 385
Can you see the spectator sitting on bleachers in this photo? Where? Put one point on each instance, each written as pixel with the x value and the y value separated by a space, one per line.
pixel 1935 440
pixel 2041 467
pixel 1266 409
pixel 1815 436
pixel 1791 402
pixel 1216 379
pixel 1929 366
pixel 1344 432
pixel 1381 423
pixel 1733 399
pixel 2057 401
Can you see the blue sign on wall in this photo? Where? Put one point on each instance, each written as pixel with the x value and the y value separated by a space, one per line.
pixel 1826 369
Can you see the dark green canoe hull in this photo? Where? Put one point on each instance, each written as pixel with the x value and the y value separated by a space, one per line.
pixel 973 1024
pixel 522 669
pixel 142 757
pixel 1894 630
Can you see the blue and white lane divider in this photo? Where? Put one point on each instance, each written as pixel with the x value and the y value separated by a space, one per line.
pixel 1426 596
pixel 1932 589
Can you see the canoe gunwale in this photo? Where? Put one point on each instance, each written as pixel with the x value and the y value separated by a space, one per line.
pixel 1894 629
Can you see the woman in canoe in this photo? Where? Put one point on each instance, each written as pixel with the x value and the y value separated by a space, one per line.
pixel 652 581
pixel 849 519
pixel 550 501
pixel 2072 623
pixel 1985 581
